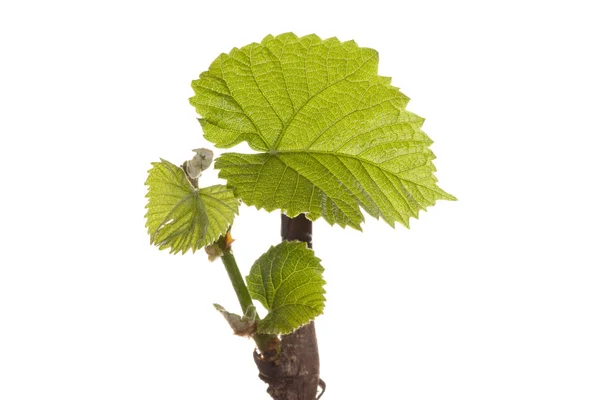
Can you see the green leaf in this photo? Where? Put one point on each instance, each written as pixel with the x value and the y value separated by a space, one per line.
pixel 182 217
pixel 333 135
pixel 288 282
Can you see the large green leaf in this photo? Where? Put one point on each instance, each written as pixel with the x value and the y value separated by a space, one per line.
pixel 333 135
pixel 182 217
pixel 288 282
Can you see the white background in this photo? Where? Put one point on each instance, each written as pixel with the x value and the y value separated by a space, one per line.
pixel 495 296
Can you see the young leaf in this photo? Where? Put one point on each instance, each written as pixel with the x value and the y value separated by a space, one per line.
pixel 333 135
pixel 181 217
pixel 288 281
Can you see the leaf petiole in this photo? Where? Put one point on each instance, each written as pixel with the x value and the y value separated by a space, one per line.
pixel 241 290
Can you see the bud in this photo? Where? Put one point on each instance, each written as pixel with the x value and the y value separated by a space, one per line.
pixel 213 251
pixel 242 326
pixel 199 163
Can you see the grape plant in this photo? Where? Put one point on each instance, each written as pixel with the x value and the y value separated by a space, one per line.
pixel 331 139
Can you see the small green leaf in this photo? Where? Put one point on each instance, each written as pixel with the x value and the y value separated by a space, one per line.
pixel 288 281
pixel 181 217
pixel 332 135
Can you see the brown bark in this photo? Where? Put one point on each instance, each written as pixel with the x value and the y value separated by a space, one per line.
pixel 294 375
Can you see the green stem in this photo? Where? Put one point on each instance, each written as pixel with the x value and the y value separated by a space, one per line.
pixel 265 343
pixel 269 345
pixel 241 290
